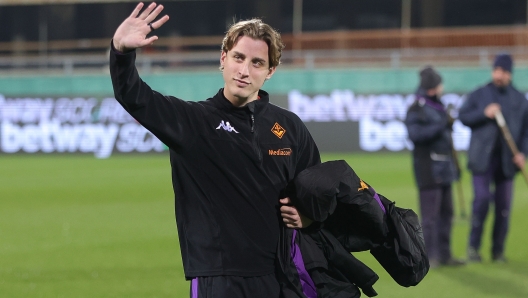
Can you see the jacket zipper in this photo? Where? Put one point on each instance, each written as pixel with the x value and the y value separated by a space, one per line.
pixel 255 136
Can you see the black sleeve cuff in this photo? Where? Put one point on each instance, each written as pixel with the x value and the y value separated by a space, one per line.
pixel 113 49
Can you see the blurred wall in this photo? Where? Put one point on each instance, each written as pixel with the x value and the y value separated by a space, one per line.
pixel 200 85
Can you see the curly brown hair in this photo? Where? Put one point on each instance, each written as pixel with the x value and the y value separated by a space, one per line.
pixel 255 29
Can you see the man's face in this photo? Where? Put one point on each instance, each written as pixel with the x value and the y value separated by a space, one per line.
pixel 438 90
pixel 245 69
pixel 501 78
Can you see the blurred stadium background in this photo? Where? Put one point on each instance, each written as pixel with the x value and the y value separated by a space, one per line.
pixel 76 223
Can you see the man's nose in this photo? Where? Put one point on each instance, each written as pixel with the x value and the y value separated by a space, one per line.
pixel 244 69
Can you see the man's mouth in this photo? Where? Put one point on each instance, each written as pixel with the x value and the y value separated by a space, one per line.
pixel 241 83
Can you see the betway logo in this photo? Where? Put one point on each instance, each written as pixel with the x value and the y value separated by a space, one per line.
pixel 226 126
pixel 392 135
pixel 99 138
pixel 344 105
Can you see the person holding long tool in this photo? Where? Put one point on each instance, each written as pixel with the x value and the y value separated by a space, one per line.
pixel 429 128
pixel 490 159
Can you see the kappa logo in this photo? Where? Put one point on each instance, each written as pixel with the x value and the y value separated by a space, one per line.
pixel 226 126
pixel 363 185
pixel 278 130
pixel 280 152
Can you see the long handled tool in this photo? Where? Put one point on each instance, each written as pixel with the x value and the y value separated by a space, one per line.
pixel 461 201
pixel 460 191
pixel 509 139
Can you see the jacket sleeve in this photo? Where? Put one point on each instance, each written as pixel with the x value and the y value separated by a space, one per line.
pixel 524 133
pixel 471 114
pixel 308 152
pixel 168 118
pixel 307 156
pixel 421 129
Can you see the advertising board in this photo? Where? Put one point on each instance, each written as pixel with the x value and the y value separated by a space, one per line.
pixel 339 121
pixel 344 121
pixel 71 125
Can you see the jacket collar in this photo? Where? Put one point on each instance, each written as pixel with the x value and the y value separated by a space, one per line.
pixel 221 102
pixel 432 101
pixel 500 90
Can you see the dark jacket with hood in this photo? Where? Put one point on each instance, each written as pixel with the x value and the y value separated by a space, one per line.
pixel 485 134
pixel 349 216
pixel 429 129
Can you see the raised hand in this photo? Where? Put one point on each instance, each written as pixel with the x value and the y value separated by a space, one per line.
pixel 132 33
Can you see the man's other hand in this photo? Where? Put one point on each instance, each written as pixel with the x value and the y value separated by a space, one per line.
pixel 519 160
pixel 132 33
pixel 291 217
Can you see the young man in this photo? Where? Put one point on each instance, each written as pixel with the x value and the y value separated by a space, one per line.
pixel 489 157
pixel 429 128
pixel 231 156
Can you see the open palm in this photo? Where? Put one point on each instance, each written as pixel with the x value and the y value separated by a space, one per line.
pixel 132 33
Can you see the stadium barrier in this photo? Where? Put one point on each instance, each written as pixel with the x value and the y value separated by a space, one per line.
pixel 468 46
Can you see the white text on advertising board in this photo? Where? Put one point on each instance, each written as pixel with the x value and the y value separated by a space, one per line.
pixel 85 125
pixel 380 116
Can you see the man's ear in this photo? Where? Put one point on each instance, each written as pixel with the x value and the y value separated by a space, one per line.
pixel 271 72
pixel 222 59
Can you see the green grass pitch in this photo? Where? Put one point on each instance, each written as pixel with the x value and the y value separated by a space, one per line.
pixel 76 226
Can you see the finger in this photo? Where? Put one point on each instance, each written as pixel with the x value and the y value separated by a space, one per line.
pixel 154 14
pixel 288 210
pixel 289 218
pixel 147 11
pixel 160 22
pixel 292 215
pixel 291 224
pixel 285 201
pixel 149 41
pixel 136 11
pixel 293 220
pixel 288 223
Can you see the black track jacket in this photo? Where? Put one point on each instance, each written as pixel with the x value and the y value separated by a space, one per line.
pixel 229 166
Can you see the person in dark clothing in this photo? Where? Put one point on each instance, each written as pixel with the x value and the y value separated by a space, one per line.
pixel 489 158
pixel 429 128
pixel 231 156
